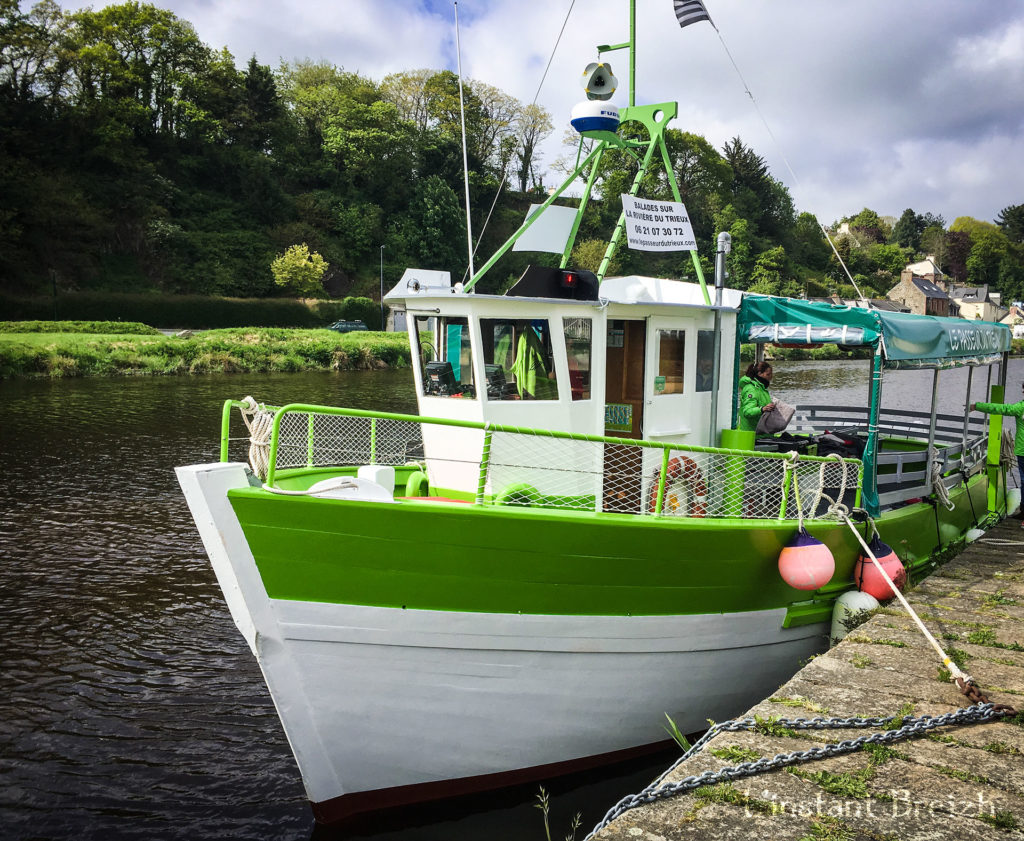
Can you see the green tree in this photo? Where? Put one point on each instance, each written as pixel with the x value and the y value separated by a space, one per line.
pixel 533 126
pixel 703 177
pixel 407 91
pixel 958 249
pixel 738 262
pixel 869 227
pixel 934 243
pixel 435 227
pixel 262 108
pixel 1011 220
pixel 811 249
pixel 888 258
pixel 299 271
pixel 1011 275
pixel 988 250
pixel 767 275
pixel 589 253
pixel 908 229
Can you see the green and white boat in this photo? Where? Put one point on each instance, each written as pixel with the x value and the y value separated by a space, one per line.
pixel 569 540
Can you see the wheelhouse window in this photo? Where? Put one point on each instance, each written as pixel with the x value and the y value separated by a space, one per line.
pixel 518 359
pixel 705 359
pixel 445 357
pixel 670 353
pixel 578 346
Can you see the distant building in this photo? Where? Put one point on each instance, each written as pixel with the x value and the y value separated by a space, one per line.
pixel 1014 319
pixel 974 302
pixel 920 295
pixel 927 269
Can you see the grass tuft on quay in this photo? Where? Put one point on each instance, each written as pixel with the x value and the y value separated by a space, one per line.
pixel 105 349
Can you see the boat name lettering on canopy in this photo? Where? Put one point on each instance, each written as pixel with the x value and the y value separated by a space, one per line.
pixel 974 339
pixel 657 225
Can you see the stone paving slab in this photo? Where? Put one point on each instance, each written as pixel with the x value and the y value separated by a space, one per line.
pixel 954 783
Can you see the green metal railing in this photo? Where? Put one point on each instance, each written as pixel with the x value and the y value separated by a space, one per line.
pixel 737 458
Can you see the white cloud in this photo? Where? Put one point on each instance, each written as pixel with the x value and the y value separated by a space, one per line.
pixel 887 105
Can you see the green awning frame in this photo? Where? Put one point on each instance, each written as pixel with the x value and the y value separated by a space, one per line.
pixel 896 339
pixel 907 340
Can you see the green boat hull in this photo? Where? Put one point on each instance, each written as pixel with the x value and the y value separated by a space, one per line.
pixel 447 556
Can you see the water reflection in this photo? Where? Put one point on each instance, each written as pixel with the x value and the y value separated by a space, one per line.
pixel 129 704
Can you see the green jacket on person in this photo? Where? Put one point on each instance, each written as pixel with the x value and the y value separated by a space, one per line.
pixel 1014 410
pixel 753 395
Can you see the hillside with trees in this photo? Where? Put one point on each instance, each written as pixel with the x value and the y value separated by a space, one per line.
pixel 135 158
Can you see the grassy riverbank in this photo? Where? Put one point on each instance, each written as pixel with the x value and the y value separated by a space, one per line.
pixel 104 349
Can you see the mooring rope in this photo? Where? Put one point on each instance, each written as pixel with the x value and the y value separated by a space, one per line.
pixel 259 422
pixel 956 675
pixel 963 680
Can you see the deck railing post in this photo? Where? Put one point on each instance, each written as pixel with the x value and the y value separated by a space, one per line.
pixel 660 501
pixel 225 428
pixel 930 452
pixel 967 421
pixel 995 436
pixel 485 462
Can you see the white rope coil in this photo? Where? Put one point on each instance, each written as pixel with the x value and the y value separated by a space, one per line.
pixel 939 487
pixel 259 422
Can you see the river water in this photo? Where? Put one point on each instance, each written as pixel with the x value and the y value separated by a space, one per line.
pixel 130 706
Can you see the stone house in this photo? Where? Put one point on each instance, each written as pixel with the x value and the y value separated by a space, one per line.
pixel 920 295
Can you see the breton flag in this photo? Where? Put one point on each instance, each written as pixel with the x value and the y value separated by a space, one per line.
pixel 691 11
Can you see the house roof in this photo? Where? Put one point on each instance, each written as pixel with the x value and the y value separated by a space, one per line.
pixel 930 289
pixel 969 294
pixel 887 306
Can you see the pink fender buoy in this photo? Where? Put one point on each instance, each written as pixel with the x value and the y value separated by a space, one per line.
pixel 806 563
pixel 869 580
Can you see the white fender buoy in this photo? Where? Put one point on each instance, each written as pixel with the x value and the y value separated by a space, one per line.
pixel 1012 501
pixel 974 534
pixel 849 606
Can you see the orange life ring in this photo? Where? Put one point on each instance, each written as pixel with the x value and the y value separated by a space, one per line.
pixel 686 491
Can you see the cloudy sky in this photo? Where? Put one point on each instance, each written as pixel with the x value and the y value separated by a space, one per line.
pixel 886 104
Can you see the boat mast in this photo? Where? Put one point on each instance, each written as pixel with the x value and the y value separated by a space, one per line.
pixel 465 157
pixel 655 118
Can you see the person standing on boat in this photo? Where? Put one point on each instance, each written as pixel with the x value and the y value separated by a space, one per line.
pixel 1014 410
pixel 754 397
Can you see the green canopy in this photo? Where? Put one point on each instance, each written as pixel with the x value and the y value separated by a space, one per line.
pixel 907 340
pixel 928 337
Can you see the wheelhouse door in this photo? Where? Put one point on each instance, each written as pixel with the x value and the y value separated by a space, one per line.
pixel 624 414
pixel 668 394
pixel 624 379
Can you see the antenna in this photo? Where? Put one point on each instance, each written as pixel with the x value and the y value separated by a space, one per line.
pixel 465 157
